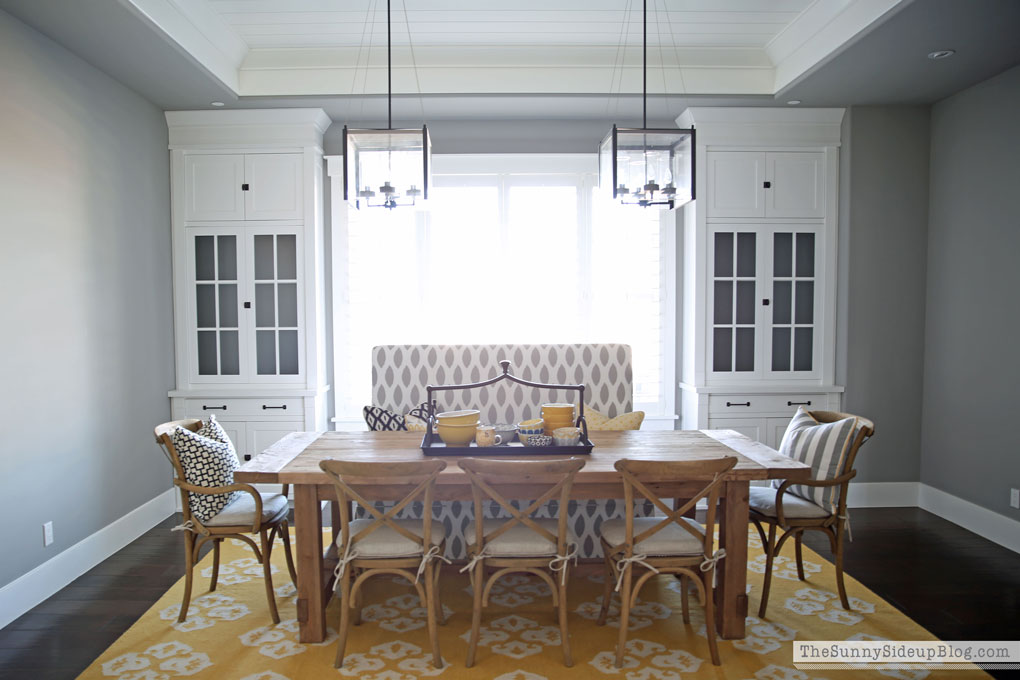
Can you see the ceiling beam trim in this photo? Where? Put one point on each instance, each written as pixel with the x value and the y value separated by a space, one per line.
pixel 820 32
pixel 195 27
pixel 506 79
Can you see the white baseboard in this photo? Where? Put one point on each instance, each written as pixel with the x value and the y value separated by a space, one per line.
pixel 27 591
pixel 983 522
pixel 882 495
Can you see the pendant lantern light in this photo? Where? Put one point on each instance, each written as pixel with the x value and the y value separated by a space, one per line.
pixel 647 167
pixel 387 168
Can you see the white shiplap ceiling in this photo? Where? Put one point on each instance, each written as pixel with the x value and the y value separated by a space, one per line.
pixel 681 23
pixel 276 48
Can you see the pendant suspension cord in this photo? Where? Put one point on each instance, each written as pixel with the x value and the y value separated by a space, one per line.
pixel 414 62
pixel 644 85
pixel 619 62
pixel 644 66
pixel 389 70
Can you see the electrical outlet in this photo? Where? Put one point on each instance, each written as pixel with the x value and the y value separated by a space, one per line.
pixel 47 533
pixel 1014 498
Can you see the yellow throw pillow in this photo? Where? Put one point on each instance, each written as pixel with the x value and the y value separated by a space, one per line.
pixel 414 423
pixel 626 421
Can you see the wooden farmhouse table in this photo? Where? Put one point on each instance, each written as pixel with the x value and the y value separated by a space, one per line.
pixel 295 460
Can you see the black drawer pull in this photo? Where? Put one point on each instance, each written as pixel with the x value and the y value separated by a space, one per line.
pixel 247 456
pixel 736 404
pixel 213 408
pixel 798 403
pixel 283 408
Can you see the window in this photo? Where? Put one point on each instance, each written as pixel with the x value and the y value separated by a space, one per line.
pixel 512 249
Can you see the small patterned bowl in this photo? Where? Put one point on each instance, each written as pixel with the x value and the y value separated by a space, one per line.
pixel 538 440
pixel 567 436
pixel 527 428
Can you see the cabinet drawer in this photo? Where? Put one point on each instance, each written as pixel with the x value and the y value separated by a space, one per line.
pixel 738 405
pixel 232 407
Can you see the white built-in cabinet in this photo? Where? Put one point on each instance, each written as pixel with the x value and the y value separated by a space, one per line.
pixel 236 187
pixel 248 271
pixel 759 269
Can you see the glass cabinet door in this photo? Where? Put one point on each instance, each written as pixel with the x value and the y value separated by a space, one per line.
pixel 216 294
pixel 275 298
pixel 793 333
pixel 733 295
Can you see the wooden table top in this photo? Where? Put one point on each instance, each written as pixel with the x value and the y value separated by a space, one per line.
pixel 295 458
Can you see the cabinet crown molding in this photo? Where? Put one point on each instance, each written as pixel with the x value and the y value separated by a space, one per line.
pixel 763 127
pixel 285 128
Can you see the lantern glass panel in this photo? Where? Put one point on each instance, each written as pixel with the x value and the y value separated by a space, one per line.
pixel 653 167
pixel 387 167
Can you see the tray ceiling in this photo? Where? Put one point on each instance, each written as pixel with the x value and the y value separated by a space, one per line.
pixel 325 47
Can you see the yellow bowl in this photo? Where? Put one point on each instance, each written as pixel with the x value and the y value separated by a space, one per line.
pixel 456 435
pixel 551 425
pixel 557 409
pixel 465 417
pixel 532 424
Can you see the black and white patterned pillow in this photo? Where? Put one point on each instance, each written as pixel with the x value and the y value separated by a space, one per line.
pixel 383 420
pixel 211 429
pixel 206 462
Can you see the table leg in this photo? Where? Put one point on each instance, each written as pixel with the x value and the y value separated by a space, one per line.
pixel 334 518
pixel 311 611
pixel 731 578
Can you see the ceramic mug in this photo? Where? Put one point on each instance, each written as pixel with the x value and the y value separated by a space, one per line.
pixel 506 433
pixel 486 435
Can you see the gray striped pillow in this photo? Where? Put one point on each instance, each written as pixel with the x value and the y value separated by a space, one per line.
pixel 824 447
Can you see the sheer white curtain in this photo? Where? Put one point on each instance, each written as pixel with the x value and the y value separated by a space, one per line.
pixel 512 249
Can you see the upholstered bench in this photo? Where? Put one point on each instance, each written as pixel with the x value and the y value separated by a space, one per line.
pixel 400 374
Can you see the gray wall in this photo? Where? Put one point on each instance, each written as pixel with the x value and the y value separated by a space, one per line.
pixel 971 368
pixel 881 308
pixel 86 354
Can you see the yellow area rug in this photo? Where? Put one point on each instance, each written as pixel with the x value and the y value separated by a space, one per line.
pixel 229 634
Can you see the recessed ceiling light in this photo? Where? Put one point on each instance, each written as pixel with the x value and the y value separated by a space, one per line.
pixel 941 54
pixel 216 103
pixel 793 102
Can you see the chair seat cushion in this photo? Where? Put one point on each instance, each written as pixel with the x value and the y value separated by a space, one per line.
pixel 241 510
pixel 763 500
pixel 387 542
pixel 519 540
pixel 671 540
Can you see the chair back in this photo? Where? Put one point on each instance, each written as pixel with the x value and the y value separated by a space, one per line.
pixel 546 479
pixel 163 434
pixel 865 430
pixel 637 474
pixel 416 478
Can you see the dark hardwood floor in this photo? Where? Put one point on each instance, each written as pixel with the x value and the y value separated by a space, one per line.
pixel 954 583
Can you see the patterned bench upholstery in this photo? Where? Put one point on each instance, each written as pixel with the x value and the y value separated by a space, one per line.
pixel 400 374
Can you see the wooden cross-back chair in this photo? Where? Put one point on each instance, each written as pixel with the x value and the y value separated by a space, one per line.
pixel 264 514
pixel 673 544
pixel 521 543
pixel 386 545
pixel 796 515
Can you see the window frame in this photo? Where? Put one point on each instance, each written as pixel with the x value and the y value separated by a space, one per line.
pixel 582 169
